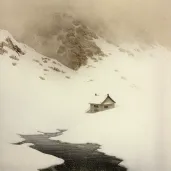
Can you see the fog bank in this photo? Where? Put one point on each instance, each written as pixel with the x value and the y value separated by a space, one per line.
pixel 119 20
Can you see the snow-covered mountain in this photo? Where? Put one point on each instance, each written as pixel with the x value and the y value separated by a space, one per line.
pixel 40 94
pixel 65 38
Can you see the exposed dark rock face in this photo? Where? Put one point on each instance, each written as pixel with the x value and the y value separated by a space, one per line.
pixel 9 43
pixel 67 40
pixel 77 157
pixel 2 51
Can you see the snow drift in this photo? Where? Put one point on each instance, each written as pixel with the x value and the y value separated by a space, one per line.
pixel 40 94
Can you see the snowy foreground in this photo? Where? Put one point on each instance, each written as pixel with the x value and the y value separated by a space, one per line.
pixel 35 97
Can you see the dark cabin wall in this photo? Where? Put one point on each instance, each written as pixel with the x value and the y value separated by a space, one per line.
pixel 93 109
pixel 109 106
pixel 101 107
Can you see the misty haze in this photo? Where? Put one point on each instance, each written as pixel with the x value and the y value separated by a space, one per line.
pixel 147 20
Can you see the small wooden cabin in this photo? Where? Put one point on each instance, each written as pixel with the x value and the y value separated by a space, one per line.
pixel 101 103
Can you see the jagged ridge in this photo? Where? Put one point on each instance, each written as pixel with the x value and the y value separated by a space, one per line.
pixel 65 39
pixel 8 41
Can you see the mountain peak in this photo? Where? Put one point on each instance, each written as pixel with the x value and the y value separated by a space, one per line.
pixel 66 39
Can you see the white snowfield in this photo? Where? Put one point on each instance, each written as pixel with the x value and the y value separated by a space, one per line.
pixel 137 130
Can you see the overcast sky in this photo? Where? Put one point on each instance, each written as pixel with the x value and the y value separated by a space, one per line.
pixel 125 19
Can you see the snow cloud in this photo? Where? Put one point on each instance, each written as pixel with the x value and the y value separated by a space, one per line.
pixel 147 20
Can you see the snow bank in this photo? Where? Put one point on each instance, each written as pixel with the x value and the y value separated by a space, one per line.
pixel 19 158
pixel 132 76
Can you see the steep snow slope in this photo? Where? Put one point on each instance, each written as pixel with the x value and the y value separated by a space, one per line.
pixel 132 75
pixel 16 70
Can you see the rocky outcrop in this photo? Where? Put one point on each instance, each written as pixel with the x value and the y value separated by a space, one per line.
pixel 77 46
pixel 9 44
pixel 65 39
pixel 2 50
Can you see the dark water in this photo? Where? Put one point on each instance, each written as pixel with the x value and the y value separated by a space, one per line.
pixel 77 157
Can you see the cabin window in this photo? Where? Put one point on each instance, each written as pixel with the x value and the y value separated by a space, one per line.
pixel 106 107
pixel 96 106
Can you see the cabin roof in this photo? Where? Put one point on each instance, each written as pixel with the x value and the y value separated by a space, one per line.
pixel 99 99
